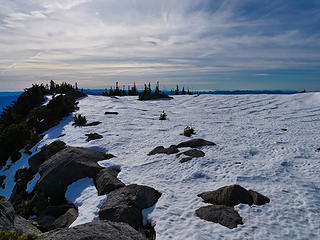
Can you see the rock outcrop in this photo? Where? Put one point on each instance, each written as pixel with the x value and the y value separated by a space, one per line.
pixel 229 196
pixel 161 150
pixel 46 152
pixel 125 204
pixel 66 167
pixel 224 215
pixel 195 143
pixel 107 181
pixel 99 230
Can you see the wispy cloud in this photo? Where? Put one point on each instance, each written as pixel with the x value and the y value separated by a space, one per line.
pixel 107 40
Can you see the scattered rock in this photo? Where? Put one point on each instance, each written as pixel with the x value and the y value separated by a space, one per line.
pixel 224 215
pixel 111 113
pixel 56 171
pixel 98 230
pixel 161 150
pixel 93 136
pixel 258 198
pixel 318 149
pixel 46 152
pixel 66 219
pixel 195 143
pixel 125 204
pixel 107 181
pixel 284 129
pixel 230 196
pixel 188 131
pixel 93 124
pixel 114 97
pixel 237 163
pixel 186 159
pixel 192 153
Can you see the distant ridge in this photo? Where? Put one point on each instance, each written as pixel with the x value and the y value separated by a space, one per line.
pixel 226 92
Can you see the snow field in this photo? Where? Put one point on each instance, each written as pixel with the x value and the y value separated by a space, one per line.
pixel 283 165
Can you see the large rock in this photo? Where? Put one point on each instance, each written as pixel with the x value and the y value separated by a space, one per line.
pixel 195 143
pixel 99 230
pixel 161 150
pixel 7 215
pixel 107 181
pixel 125 204
pixel 224 215
pixel 229 196
pixel 258 198
pixel 66 167
pixel 46 152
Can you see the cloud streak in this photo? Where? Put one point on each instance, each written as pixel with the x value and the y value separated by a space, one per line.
pixel 146 40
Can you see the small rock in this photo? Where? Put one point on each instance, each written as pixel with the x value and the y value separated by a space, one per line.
pixel 93 136
pixel 284 129
pixel 161 150
pixel 224 215
pixel 195 143
pixel 107 181
pixel 318 149
pixel 111 113
pixel 258 198
pixel 230 196
pixel 237 163
pixel 192 153
pixel 186 159
pixel 93 124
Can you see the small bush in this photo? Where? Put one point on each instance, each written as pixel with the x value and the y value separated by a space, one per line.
pixel 79 120
pixel 188 131
pixel 33 140
pixel 163 116
pixel 16 236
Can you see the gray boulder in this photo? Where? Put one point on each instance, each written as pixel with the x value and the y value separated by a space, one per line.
pixel 66 167
pixel 195 143
pixel 125 204
pixel 224 215
pixel 25 226
pixel 258 198
pixel 229 196
pixel 107 181
pixel 46 152
pixel 99 230
pixel 161 150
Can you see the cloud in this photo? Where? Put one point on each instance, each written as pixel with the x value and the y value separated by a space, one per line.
pixel 104 40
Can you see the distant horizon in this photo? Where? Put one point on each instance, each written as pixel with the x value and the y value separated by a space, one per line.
pixel 205 44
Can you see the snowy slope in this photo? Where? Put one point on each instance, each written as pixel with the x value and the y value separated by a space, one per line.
pixel 284 166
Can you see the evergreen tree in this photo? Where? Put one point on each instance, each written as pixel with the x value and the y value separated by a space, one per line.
pixel 176 91
pixel 183 91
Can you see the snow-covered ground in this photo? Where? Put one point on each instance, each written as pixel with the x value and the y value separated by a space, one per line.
pixel 283 165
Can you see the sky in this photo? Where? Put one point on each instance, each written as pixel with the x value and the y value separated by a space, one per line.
pixel 203 44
